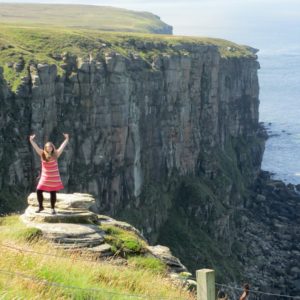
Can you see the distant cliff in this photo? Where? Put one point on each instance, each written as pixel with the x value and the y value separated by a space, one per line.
pixel 163 132
pixel 98 17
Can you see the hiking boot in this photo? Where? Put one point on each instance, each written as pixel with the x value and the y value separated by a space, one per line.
pixel 39 210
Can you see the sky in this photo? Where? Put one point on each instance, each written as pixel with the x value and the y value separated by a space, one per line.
pixel 258 23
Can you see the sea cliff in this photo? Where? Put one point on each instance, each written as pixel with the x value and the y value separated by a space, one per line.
pixel 164 133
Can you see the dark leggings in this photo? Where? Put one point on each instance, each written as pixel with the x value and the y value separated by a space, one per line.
pixel 41 198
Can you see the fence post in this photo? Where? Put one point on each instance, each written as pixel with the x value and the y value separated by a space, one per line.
pixel 205 284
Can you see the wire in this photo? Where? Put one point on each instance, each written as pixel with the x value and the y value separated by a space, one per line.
pixel 193 278
pixel 252 291
pixel 60 285
pixel 46 282
pixel 97 290
pixel 46 254
pixel 258 292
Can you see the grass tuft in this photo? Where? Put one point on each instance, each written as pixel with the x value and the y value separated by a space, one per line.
pixel 149 263
pixel 123 242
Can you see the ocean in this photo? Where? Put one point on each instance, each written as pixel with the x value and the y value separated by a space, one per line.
pixel 279 78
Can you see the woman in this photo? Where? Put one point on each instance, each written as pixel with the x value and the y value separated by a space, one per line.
pixel 50 178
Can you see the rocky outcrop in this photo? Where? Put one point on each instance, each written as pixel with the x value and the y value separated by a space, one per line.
pixel 73 227
pixel 76 227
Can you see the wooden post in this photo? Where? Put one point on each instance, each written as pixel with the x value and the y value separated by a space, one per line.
pixel 206 284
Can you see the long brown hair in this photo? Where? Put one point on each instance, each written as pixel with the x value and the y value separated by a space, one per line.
pixel 47 156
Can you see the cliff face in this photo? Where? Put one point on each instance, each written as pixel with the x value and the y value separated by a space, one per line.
pixel 170 143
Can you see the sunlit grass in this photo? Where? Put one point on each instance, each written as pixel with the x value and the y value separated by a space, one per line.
pixel 138 277
pixel 44 44
pixel 80 16
pixel 123 241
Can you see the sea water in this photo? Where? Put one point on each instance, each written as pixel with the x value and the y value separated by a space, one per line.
pixel 279 78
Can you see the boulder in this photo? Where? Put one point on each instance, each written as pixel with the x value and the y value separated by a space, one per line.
pixel 74 226
pixel 103 250
pixel 164 254
pixel 71 236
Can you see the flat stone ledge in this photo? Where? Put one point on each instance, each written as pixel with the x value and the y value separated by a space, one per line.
pixel 61 216
pixel 70 236
pixel 64 201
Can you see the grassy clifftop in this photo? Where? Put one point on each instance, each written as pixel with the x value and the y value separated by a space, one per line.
pixel 20 45
pixel 82 16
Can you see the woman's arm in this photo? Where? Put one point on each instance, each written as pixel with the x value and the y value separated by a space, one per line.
pixel 35 146
pixel 63 145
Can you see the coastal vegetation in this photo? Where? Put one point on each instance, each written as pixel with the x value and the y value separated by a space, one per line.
pixel 22 45
pixel 31 268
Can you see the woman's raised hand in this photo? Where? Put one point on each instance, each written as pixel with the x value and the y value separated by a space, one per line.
pixel 31 137
pixel 66 135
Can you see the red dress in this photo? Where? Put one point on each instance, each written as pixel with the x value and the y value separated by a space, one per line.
pixel 50 178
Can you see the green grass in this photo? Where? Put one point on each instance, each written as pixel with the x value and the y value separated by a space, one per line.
pixel 73 270
pixel 149 263
pixel 124 242
pixel 81 16
pixel 46 45
pixel 29 234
